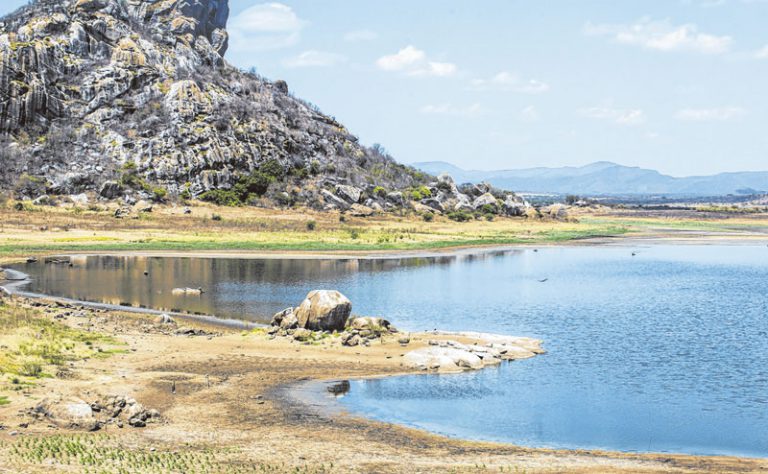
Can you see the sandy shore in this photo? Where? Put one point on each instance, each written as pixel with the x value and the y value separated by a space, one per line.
pixel 224 394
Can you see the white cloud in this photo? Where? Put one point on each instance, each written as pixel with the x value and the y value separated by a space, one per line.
pixel 360 35
pixel 470 111
pixel 663 36
pixel 511 82
pixel 265 26
pixel 619 116
pixel 414 62
pixel 314 58
pixel 761 53
pixel 721 114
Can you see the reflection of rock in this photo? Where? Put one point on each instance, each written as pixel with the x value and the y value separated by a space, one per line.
pixel 339 388
pixel 324 310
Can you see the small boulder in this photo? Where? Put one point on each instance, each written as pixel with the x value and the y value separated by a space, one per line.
pixel 164 319
pixel 334 201
pixel 350 194
pixel 396 198
pixel 375 325
pixel 324 310
pixel 513 206
pixel 358 210
pixel 43 200
pixel 111 190
pixel 123 212
pixel 279 316
pixel 302 335
pixel 486 199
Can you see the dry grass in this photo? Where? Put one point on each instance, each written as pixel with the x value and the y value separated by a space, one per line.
pixel 47 229
pixel 34 346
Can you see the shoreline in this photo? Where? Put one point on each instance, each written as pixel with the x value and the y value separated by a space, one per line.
pixel 277 393
pixel 676 238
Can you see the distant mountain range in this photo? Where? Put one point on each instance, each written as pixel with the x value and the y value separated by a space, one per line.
pixel 606 178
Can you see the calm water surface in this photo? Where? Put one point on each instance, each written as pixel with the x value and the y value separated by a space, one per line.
pixel 663 351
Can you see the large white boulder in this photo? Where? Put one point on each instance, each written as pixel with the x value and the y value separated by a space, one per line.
pixel 324 310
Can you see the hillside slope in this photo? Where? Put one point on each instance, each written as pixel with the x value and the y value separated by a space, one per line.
pixel 134 97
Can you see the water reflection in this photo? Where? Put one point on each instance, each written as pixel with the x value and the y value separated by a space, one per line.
pixel 249 289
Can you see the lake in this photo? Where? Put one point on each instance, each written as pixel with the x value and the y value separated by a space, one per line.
pixel 665 350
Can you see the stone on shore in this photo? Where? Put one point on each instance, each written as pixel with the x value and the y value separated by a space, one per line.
pixel 324 310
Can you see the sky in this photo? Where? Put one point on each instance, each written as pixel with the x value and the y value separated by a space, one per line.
pixel 674 85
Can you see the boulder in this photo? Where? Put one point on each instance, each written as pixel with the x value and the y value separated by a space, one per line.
pixel 513 206
pixel 278 317
pixel 72 413
pixel 463 203
pixel 164 319
pixel 396 198
pixel 43 200
pixel 302 335
pixel 350 194
pixel 358 210
pixel 324 310
pixel 486 199
pixel 123 212
pixel 446 184
pixel 555 211
pixel 79 199
pixel 434 203
pixel 111 190
pixel 333 201
pixel 376 325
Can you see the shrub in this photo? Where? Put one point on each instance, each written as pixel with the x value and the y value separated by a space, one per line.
pixel 380 192
pixel 460 216
pixel 311 225
pixel 273 169
pixel 222 197
pixel 419 193
pixel 216 217
pixel 159 194
pixel 354 234
pixel 488 209
pixel 428 217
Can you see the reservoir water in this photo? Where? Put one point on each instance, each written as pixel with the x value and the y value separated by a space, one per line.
pixel 665 350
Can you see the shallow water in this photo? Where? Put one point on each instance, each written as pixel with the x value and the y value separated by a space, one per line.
pixel 663 351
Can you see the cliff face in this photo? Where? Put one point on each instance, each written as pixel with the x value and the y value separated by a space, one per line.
pixel 92 90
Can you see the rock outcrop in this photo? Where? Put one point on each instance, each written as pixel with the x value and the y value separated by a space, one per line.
pixel 134 97
pixel 451 356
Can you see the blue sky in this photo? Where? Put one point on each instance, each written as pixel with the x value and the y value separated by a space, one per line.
pixel 675 85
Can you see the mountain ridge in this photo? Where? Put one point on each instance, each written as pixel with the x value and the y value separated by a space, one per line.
pixel 606 178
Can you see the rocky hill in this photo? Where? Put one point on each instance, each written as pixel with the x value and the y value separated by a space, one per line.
pixel 133 99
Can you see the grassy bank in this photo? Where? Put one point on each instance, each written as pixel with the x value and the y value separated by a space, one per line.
pixel 39 230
